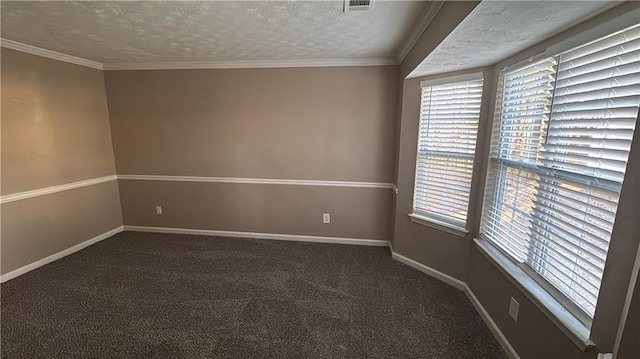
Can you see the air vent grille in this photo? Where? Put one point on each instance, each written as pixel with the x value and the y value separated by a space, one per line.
pixel 357 5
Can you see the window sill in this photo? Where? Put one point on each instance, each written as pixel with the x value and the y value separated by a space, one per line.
pixel 548 304
pixel 445 227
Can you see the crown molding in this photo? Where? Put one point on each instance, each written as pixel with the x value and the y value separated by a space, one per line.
pixel 427 15
pixel 14 45
pixel 250 64
pixel 18 46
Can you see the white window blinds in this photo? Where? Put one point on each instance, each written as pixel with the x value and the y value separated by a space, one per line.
pixel 449 117
pixel 560 146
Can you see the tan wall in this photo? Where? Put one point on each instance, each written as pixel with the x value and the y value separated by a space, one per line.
pixel 629 344
pixel 459 258
pixel 442 251
pixel 449 16
pixel 55 130
pixel 38 227
pixel 55 124
pixel 624 241
pixel 533 335
pixel 417 242
pixel 332 124
pixel 355 212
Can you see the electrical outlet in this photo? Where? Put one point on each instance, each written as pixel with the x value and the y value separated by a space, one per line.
pixel 158 210
pixel 326 218
pixel 514 308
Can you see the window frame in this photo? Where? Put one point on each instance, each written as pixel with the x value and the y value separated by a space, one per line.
pixel 553 303
pixel 435 220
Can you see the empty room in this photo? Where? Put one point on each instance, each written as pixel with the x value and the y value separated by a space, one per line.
pixel 320 179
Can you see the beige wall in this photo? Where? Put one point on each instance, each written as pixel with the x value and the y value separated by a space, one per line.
pixel 442 251
pixel 534 335
pixel 331 124
pixel 449 16
pixel 38 227
pixel 262 208
pixel 55 130
pixel 55 124
pixel 629 344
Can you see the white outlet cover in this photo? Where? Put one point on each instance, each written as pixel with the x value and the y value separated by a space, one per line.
pixel 158 210
pixel 326 218
pixel 514 308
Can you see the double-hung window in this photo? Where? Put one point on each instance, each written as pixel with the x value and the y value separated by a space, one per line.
pixel 449 114
pixel 562 132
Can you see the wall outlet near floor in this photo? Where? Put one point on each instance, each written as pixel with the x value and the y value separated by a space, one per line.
pixel 158 210
pixel 514 308
pixel 326 218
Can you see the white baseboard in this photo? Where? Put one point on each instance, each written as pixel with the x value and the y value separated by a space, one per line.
pixel 29 267
pixel 275 236
pixel 493 327
pixel 495 330
pixel 497 333
pixel 430 271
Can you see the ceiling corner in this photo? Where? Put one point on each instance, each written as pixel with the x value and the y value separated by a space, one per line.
pixel 427 15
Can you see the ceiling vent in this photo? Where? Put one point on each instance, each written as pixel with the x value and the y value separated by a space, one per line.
pixel 358 5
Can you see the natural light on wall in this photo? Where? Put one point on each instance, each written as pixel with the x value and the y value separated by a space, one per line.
pixel 449 114
pixel 562 133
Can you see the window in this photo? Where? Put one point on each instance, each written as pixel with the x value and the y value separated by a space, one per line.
pixel 449 117
pixel 562 132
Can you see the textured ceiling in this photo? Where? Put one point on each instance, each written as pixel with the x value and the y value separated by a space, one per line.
pixel 495 30
pixel 145 32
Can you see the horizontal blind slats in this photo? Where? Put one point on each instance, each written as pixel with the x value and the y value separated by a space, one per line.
pixel 626 41
pixel 628 57
pixel 621 70
pixel 449 115
pixel 558 157
pixel 596 85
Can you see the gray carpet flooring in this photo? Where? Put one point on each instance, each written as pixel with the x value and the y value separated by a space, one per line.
pixel 142 295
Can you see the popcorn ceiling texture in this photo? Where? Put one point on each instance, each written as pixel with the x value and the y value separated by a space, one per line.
pixel 137 32
pixel 496 30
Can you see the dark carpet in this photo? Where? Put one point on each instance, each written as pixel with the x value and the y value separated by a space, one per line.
pixel 142 295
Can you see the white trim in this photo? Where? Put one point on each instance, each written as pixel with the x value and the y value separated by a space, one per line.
pixel 258 181
pixel 254 64
pixel 456 283
pixel 495 330
pixel 493 327
pixel 605 29
pixel 549 305
pixel 608 28
pixel 18 46
pixel 633 282
pixel 475 76
pixel 443 226
pixel 274 236
pixel 250 64
pixel 427 15
pixel 39 263
pixel 64 187
pixel 68 186
pixel 430 271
